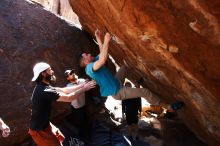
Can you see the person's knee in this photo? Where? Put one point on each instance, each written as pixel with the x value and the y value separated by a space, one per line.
pixel 116 97
pixel 124 69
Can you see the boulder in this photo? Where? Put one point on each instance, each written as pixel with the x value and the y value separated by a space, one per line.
pixel 30 34
pixel 174 45
pixel 61 8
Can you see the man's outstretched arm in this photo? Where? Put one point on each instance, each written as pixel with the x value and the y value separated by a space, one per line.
pixel 64 97
pixel 103 56
pixel 98 39
pixel 68 90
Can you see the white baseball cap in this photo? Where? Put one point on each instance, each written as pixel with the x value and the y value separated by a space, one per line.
pixel 39 68
pixel 68 72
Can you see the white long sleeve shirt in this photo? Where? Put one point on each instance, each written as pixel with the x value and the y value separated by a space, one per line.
pixel 80 101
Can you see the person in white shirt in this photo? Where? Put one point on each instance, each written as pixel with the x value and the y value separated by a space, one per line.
pixel 73 80
pixel 78 116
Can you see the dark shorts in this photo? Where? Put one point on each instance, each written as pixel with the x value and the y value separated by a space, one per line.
pixel 131 117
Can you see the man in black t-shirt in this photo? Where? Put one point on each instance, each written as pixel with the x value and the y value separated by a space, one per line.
pixel 41 129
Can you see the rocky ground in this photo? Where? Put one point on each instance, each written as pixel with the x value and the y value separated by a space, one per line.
pixel 108 128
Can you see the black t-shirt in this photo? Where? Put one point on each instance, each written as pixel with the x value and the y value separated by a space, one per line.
pixel 42 98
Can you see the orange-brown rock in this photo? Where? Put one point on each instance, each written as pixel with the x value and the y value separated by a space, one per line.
pixel 174 45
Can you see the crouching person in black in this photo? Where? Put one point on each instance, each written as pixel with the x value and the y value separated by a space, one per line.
pixel 131 107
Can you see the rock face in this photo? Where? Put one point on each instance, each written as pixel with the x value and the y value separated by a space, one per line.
pixel 174 45
pixel 30 34
pixel 61 8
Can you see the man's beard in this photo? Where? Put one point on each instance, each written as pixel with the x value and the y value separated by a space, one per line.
pixel 50 78
pixel 73 80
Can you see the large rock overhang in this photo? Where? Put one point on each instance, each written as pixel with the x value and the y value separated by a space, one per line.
pixel 173 44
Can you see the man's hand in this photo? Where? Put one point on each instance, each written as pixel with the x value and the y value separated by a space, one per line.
pixel 5 130
pixel 89 85
pixel 107 37
pixel 98 34
pixel 98 38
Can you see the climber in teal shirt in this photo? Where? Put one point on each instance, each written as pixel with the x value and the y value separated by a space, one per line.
pixel 109 85
pixel 113 85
